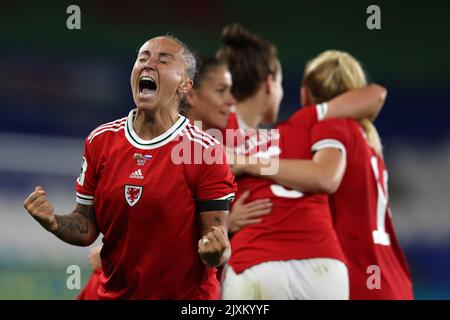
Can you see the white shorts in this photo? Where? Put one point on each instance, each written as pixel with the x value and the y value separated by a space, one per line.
pixel 308 279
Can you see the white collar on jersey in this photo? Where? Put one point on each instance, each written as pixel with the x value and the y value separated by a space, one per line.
pixel 158 141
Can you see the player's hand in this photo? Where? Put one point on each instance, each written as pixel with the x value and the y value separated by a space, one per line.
pixel 94 257
pixel 41 209
pixel 243 214
pixel 214 246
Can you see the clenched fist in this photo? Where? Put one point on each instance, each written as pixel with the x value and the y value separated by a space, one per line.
pixel 214 248
pixel 41 209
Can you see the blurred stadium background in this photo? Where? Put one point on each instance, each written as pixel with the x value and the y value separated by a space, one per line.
pixel 57 85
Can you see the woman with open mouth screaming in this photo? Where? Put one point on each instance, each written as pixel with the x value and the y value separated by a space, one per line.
pixel 163 222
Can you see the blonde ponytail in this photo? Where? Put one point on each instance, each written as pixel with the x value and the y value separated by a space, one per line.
pixel 373 138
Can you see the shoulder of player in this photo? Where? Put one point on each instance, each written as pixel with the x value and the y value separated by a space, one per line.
pixel 303 117
pixel 109 127
pixel 344 123
pixel 197 136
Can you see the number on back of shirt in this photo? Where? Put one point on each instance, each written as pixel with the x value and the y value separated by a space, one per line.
pixel 380 236
pixel 282 192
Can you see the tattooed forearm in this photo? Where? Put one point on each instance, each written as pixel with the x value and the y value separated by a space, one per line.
pixel 72 224
pixel 212 218
pixel 218 219
pixel 72 228
pixel 79 227
pixel 204 228
pixel 86 211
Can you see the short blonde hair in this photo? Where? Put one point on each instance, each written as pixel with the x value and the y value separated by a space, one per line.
pixel 332 73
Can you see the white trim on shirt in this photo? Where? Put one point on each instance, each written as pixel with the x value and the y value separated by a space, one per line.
pixel 329 143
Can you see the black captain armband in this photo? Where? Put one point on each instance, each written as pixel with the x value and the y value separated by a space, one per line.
pixel 215 205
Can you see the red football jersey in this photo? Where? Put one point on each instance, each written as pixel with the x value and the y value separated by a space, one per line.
pixel 90 291
pixel 362 216
pixel 145 194
pixel 300 225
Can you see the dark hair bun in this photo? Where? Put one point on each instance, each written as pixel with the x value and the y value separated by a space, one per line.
pixel 249 57
pixel 234 35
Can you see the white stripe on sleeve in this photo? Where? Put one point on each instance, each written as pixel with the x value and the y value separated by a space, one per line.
pixel 228 196
pixel 329 143
pixel 85 199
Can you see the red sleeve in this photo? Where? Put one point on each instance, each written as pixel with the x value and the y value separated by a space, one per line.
pixel 311 113
pixel 215 180
pixel 214 184
pixel 87 181
pixel 331 133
